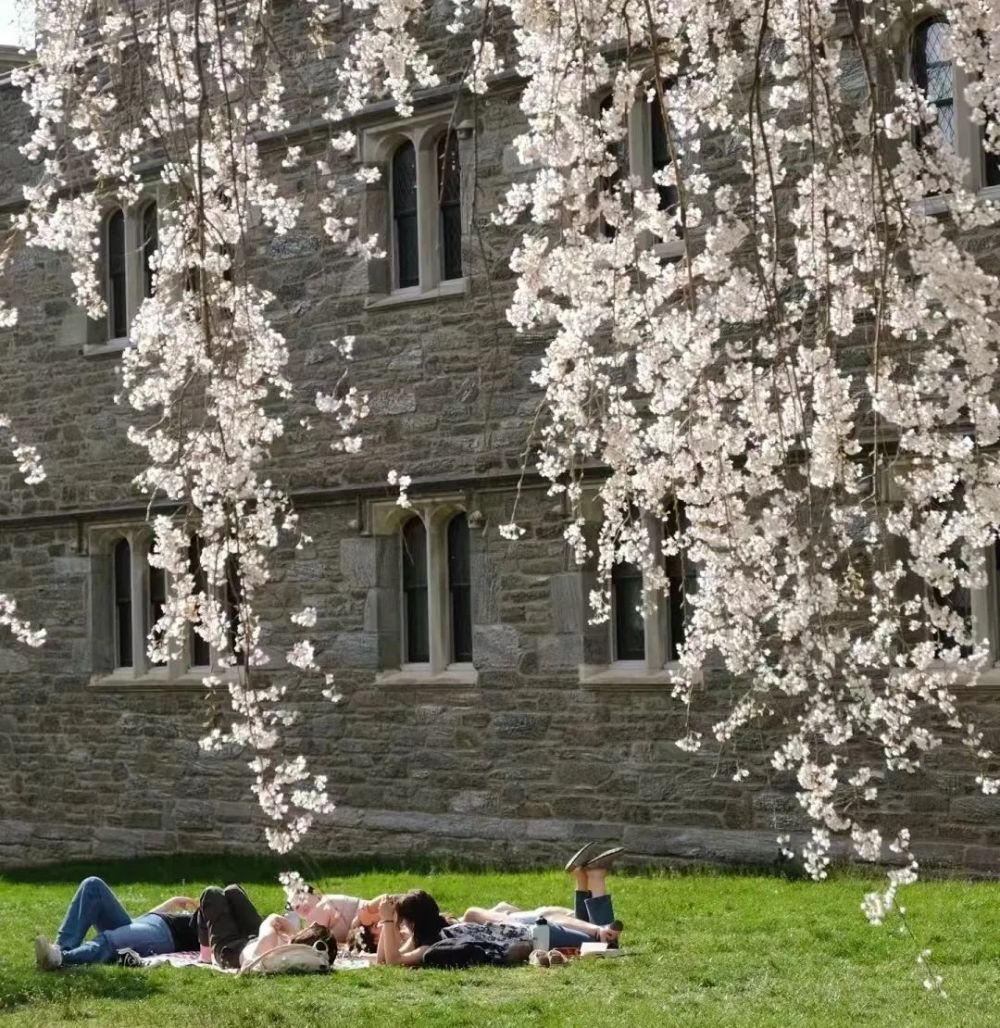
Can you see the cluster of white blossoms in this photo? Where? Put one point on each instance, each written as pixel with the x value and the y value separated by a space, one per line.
pixel 130 96
pixel 780 351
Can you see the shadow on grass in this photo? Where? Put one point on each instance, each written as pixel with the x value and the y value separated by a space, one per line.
pixel 24 988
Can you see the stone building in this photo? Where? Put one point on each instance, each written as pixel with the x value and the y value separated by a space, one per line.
pixel 483 717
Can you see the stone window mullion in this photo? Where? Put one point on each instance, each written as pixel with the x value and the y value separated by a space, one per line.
pixel 140 604
pixel 428 229
pixel 439 620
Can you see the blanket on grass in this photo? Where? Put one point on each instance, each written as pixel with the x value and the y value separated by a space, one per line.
pixel 344 962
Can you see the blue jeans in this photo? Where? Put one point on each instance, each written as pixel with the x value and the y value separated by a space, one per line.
pixel 96 906
pixel 586 907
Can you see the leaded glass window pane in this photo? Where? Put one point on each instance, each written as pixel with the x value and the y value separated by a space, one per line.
pixel 157 601
pixel 460 589
pixel 123 604
pixel 675 571
pixel 404 215
pixel 618 154
pixel 117 312
pixel 450 201
pixel 626 598
pixel 201 654
pixel 934 74
pixel 234 603
pixel 661 154
pixel 415 617
pixel 150 241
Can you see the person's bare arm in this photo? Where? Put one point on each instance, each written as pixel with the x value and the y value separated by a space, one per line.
pixel 174 905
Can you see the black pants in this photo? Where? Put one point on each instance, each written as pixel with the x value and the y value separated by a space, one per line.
pixel 228 922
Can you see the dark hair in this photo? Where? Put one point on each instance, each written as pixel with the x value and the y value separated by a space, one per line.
pixel 361 939
pixel 420 911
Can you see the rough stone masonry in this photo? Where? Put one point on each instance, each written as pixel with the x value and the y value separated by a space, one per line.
pixel 517 761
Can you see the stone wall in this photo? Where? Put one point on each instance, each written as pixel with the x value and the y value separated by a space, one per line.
pixel 518 767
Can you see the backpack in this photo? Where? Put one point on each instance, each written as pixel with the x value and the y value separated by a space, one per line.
pixel 292 957
pixel 456 953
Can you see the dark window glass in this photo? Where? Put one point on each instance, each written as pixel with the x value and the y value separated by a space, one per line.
pixel 201 654
pixel 675 570
pixel 150 241
pixel 450 202
pixel 992 168
pixel 117 316
pixel 626 595
pixel 234 601
pixel 415 592
pixel 123 604
pixel 404 215
pixel 661 154
pixel 157 599
pixel 618 152
pixel 933 73
pixel 459 589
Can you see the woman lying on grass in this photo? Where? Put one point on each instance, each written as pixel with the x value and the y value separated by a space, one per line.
pixel 413 924
pixel 592 918
pixel 165 929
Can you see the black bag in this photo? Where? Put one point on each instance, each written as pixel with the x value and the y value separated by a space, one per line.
pixel 456 953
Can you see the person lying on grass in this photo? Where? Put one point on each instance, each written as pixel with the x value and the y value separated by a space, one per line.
pixel 413 924
pixel 238 934
pixel 335 911
pixel 592 918
pixel 167 928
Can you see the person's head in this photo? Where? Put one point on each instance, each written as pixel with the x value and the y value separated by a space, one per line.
pixel 305 901
pixel 420 912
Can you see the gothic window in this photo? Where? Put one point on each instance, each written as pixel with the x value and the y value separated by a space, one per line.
pixel 404 215
pixel 934 74
pixel 450 206
pixel 626 606
pixel 460 590
pixel 123 603
pixel 416 642
pixel 117 287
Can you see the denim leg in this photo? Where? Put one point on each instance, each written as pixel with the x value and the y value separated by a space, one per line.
pixel 599 910
pixel 580 898
pixel 147 935
pixel 560 936
pixel 93 906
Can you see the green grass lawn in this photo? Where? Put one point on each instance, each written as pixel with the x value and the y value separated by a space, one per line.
pixel 706 950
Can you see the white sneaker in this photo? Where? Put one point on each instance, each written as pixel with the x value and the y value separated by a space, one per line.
pixel 48 956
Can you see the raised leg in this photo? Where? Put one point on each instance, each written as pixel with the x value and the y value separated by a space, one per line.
pixel 93 906
pixel 224 935
pixel 247 919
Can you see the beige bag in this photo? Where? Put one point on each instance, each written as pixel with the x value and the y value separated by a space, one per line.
pixel 292 957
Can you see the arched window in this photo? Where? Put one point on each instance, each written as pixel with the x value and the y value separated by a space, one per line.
pixel 404 215
pixel 123 604
pixel 934 74
pixel 201 652
pixel 117 294
pixel 626 606
pixel 157 602
pixel 415 612
pixel 460 590
pixel 450 206
pixel 660 153
pixel 150 241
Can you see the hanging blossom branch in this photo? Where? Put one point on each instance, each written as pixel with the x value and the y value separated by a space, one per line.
pixel 801 406
pixel 191 85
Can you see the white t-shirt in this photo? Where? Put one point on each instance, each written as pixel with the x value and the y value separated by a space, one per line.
pixel 337 912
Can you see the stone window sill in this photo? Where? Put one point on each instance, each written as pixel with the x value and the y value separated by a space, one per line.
pixel 629 675
pixel 190 681
pixel 987 684
pixel 940 203
pixel 403 297
pixel 111 348
pixel 456 675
